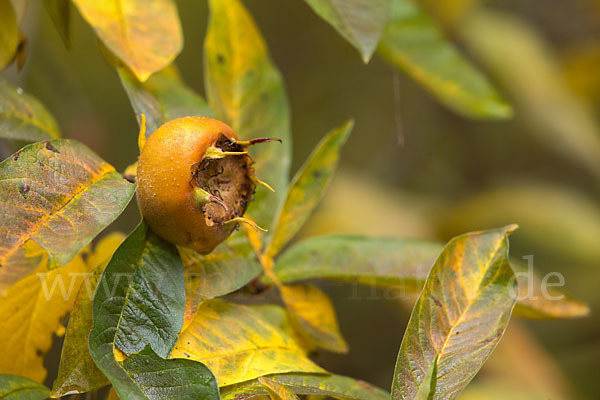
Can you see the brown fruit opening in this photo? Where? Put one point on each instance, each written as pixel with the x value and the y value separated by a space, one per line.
pixel 229 179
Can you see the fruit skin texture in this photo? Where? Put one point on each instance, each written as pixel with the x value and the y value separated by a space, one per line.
pixel 165 182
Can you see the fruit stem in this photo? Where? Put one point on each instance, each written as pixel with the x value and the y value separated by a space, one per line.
pixel 215 152
pixel 202 197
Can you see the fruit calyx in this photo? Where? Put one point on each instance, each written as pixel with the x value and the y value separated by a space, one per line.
pixel 224 181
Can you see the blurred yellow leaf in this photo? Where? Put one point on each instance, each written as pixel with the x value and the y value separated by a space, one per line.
pixel 312 312
pixel 523 64
pixel 449 12
pixel 144 34
pixel 31 311
pixel 580 68
pixel 556 220
pixel 414 43
pixel 524 367
pixel 104 250
pixel 540 300
pixel 9 32
pixel 384 210
pixel 239 344
pixel 112 394
pixel 77 371
pixel 23 117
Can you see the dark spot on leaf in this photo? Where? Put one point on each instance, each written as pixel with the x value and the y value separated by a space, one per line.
pixel 220 59
pixel 457 332
pixel 17 154
pixel 317 174
pixel 40 164
pixel 50 147
pixel 24 189
pixel 39 352
pixel 492 338
pixel 436 301
pixel 186 354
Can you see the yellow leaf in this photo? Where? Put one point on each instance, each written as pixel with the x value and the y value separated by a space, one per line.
pixel 144 34
pixel 276 390
pixel 59 194
pixel 314 315
pixel 104 250
pixel 30 312
pixel 239 344
pixel 523 63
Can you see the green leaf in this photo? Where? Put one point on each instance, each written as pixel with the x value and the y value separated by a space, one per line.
pixel 459 317
pixel 77 372
pixel 331 385
pixel 22 117
pixel 146 276
pixel 145 35
pixel 9 33
pixel 428 391
pixel 14 387
pixel 246 91
pixel 308 187
pixel 227 268
pixel 169 379
pixel 379 261
pixel 360 22
pixel 138 312
pixel 413 42
pixel 58 194
pixel 523 63
pixel 403 265
pixel 162 97
pixel 60 13
pixel 238 344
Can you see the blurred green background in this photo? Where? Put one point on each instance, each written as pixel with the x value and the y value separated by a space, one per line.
pixel 411 167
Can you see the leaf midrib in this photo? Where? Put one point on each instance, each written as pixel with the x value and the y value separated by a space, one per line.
pixel 105 170
pixel 449 335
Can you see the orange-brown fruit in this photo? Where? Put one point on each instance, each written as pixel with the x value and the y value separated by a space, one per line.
pixel 194 179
